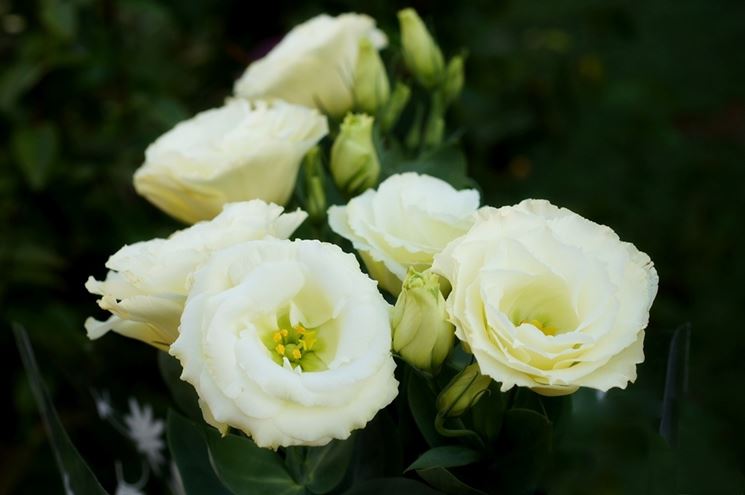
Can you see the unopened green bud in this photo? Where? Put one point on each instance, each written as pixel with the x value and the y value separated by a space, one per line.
pixel 453 79
pixel 371 88
pixel 463 392
pixel 354 161
pixel 421 53
pixel 396 104
pixel 422 336
pixel 315 194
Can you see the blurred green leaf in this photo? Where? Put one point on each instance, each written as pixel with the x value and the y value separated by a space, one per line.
pixel 59 17
pixel 676 383
pixel 77 477
pixel 34 150
pixel 16 80
pixel 445 456
pixel 321 469
pixel 444 480
pixel 189 450
pixel 391 486
pixel 247 469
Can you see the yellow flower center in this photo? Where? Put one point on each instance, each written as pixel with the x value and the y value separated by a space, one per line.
pixel 542 326
pixel 293 343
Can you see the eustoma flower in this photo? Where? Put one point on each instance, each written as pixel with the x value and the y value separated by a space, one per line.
pixel 549 300
pixel 237 152
pixel 147 284
pixel 287 341
pixel 403 224
pixel 314 65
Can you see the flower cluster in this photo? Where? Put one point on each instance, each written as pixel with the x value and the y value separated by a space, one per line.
pixel 290 341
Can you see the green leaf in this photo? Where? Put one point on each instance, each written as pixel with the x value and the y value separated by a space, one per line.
pixel 59 17
pixel 188 448
pixel 444 480
pixel 183 393
pixel 34 150
pixel 16 80
pixel 247 469
pixel 77 477
pixel 422 405
pixel 522 450
pixel 321 469
pixel 676 383
pixel 446 162
pixel 391 486
pixel 445 456
pixel 487 414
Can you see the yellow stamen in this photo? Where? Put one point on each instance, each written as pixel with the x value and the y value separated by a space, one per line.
pixel 280 349
pixel 277 337
pixel 296 354
pixel 546 329
pixel 284 332
pixel 300 329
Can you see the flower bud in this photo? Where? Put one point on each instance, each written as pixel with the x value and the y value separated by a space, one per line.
pixel 315 203
pixel 422 336
pixel 396 104
pixel 421 53
pixel 354 161
pixel 371 89
pixel 453 79
pixel 463 392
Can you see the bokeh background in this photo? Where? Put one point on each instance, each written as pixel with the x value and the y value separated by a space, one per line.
pixel 629 113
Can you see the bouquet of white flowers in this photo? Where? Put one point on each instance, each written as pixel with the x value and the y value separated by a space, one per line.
pixel 340 298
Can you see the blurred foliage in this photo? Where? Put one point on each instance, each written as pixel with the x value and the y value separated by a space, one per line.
pixel 629 113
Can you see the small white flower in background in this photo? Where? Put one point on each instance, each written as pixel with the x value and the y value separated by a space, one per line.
pixel 549 300
pixel 314 64
pixel 147 284
pixel 240 151
pixel 146 432
pixel 124 488
pixel 287 341
pixel 103 403
pixel 403 224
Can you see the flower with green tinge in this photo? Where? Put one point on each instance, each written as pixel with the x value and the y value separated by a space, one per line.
pixel 147 283
pixel 354 160
pixel 462 392
pixel 403 224
pixel 287 341
pixel 237 152
pixel 371 88
pixel 421 53
pixel 549 300
pixel 422 336
pixel 454 79
pixel 314 64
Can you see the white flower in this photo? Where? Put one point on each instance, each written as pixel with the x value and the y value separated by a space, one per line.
pixel 549 300
pixel 403 224
pixel 314 65
pixel 103 404
pixel 146 286
pixel 124 488
pixel 286 341
pixel 237 152
pixel 146 432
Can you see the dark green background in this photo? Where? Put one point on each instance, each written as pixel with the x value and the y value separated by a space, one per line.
pixel 630 113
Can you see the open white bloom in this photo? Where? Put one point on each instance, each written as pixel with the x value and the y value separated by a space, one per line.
pixel 146 432
pixel 549 300
pixel 314 64
pixel 237 152
pixel 147 284
pixel 403 224
pixel 287 341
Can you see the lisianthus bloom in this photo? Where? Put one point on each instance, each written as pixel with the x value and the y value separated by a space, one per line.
pixel 147 283
pixel 549 300
pixel 403 224
pixel 287 341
